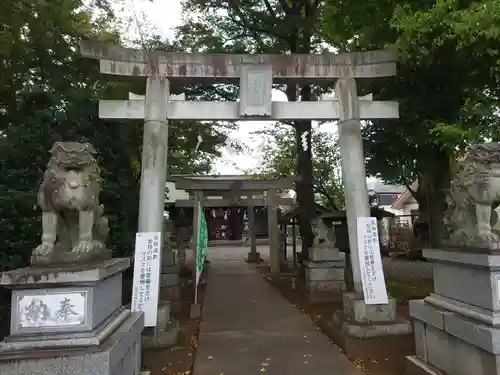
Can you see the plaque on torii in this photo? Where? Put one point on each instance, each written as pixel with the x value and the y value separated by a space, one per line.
pixel 256 84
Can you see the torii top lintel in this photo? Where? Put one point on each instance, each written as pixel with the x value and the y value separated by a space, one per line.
pixel 197 67
pixel 246 185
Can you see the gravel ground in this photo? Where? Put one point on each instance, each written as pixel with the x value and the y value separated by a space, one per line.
pixel 407 269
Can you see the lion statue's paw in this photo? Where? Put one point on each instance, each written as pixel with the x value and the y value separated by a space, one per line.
pixel 488 240
pixel 43 249
pixel 84 247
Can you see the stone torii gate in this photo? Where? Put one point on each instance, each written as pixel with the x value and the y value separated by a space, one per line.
pixel 232 192
pixel 256 74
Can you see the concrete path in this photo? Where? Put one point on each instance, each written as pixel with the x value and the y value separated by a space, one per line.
pixel 248 328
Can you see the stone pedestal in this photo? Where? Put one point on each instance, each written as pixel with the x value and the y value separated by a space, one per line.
pixel 324 273
pixel 457 328
pixel 182 240
pixel 253 257
pixel 195 311
pixel 166 332
pixel 283 253
pixel 360 320
pixel 249 238
pixel 167 329
pixel 170 280
pixel 69 320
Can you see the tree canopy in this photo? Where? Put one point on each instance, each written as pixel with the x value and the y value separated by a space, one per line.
pixel 447 86
pixel 447 83
pixel 280 157
pixel 48 93
pixel 271 26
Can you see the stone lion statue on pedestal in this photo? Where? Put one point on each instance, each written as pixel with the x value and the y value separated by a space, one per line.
pixel 74 228
pixel 323 234
pixel 472 218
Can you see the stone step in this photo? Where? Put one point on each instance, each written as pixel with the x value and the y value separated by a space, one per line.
pixel 326 286
pixel 176 268
pixel 323 274
pixel 163 317
pixel 161 339
pixel 168 258
pixel 319 254
pixel 169 279
pixel 170 293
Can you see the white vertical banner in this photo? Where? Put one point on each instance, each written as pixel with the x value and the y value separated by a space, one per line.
pixel 370 261
pixel 146 284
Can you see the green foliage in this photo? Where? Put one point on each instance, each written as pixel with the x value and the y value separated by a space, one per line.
pixel 447 86
pixel 270 26
pixel 48 93
pixel 280 160
pixel 447 83
pixel 249 26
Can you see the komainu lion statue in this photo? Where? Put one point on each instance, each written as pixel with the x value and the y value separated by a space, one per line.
pixel 323 234
pixel 74 229
pixel 472 218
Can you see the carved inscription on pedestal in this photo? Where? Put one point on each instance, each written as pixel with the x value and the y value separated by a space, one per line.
pixel 52 310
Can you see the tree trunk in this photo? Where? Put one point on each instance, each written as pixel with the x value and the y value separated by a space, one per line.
pixel 305 190
pixel 300 42
pixel 431 197
pixel 304 187
pixel 303 137
pixel 440 184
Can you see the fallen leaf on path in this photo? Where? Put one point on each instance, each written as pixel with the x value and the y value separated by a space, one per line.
pixel 359 363
pixel 262 369
pixel 210 357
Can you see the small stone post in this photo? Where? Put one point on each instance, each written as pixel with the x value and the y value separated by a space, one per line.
pixel 198 198
pixel 169 277
pixel 294 241
pixel 253 255
pixel 274 233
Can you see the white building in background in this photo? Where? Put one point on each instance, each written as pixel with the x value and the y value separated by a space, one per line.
pixel 406 204
pixel 396 199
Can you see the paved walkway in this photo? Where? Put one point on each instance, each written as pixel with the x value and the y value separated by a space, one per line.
pixel 248 328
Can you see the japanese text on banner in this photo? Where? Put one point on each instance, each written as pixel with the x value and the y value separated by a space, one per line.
pixel 370 261
pixel 146 276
